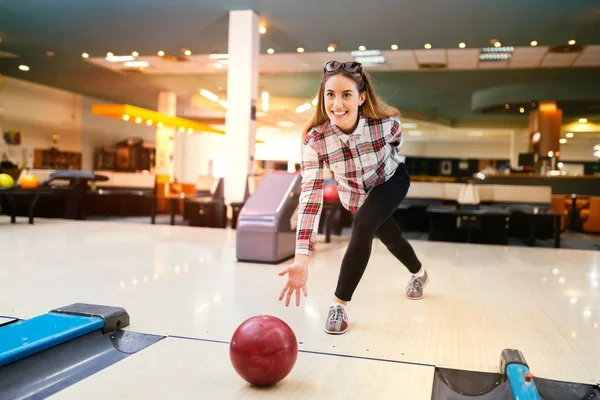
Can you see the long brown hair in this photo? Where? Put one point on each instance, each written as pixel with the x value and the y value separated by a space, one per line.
pixel 372 107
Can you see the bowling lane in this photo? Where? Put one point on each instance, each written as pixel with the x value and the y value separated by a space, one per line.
pixel 186 369
pixel 185 281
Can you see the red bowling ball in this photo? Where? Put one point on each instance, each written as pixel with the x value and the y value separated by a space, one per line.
pixel 263 350
pixel 330 194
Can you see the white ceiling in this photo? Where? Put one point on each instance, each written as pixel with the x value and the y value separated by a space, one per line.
pixel 396 60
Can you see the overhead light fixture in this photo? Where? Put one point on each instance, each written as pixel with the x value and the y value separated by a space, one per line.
pixel 562 141
pixel 303 107
pixel 161 53
pixel 572 42
pixel 521 110
pixel 135 54
pixel 427 46
pixel 569 135
pixel 218 65
pixel 394 47
pixel 300 50
pixel 533 43
pixel 85 55
pixel 332 47
pixel 137 64
pixel 270 51
pixel 494 57
pixel 496 53
pixel 219 57
pixel 583 120
pixel 119 59
pixel 209 95
pixel 497 44
pixel 409 125
pixel 362 48
pixel 24 67
pixel 370 60
pixel 224 103
pixel 187 52
pixel 262 30
pixel 462 45
pixel 365 53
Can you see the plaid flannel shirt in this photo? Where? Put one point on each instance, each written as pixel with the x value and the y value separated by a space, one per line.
pixel 359 161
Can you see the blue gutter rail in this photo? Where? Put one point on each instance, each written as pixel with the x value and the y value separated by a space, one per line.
pixel 514 367
pixel 24 338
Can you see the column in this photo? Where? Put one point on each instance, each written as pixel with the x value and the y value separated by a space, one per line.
pixel 165 140
pixel 242 91
pixel 546 120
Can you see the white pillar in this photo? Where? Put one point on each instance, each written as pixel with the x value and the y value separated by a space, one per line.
pixel 242 91
pixel 165 139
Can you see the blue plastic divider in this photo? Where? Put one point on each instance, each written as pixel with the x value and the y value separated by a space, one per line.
pixel 24 338
pixel 519 387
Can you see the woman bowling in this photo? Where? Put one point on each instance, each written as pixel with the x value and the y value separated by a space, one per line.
pixel 358 137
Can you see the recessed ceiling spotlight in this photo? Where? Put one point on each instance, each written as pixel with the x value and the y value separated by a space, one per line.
pixel 300 49
pixel 262 30
pixel 24 67
pixel 583 120
pixel 521 110
pixel 50 53
pixel 109 54
pixel 394 47
pixel 562 141
pixel 270 51
pixel 85 55
pixel 427 46
pixel 135 54
pixel 462 45
pixel 362 48
pixel 533 43
pixel 497 44
pixel 187 52
pixel 161 53
pixel 331 48
pixel 569 135
pixel 572 42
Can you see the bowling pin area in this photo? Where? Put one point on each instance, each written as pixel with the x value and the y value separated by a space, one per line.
pixel 186 294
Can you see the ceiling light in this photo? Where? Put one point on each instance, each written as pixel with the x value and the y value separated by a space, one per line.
pixel 331 49
pixel 125 117
pixel 427 46
pixel 462 45
pixel 190 131
pixel 572 42
pixel 496 49
pixel 362 48
pixel 262 30
pixel 135 54
pixel 300 49
pixel 149 122
pixel 415 133
pixel 117 59
pixel 285 124
pixel 137 64
pixel 409 125
pixel 583 120
pixel 223 103
pixel 181 129
pixel 85 55
pixel 394 47
pixel 50 53
pixel 370 60
pixel 562 141
pixel 218 65
pixel 303 107
pixel 494 57
pixel 23 67
pixel 534 43
pixel 109 54
pixel 521 110
pixel 497 44
pixel 187 52
pixel 209 95
pixel 138 120
pixel 161 53
pixel 270 51
pixel 569 135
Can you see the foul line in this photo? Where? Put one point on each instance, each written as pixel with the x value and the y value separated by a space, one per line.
pixel 318 352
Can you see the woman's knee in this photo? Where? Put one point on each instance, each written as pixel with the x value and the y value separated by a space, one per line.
pixel 364 226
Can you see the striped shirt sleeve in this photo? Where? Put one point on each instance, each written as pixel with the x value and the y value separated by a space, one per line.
pixel 311 200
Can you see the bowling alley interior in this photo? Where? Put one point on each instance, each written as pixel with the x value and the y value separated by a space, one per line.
pixel 156 185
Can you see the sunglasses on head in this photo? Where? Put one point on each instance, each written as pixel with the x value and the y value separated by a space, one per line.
pixel 352 67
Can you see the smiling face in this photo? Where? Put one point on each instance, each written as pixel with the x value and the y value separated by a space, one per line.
pixel 341 101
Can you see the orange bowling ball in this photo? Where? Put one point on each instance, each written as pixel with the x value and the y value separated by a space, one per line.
pixel 29 182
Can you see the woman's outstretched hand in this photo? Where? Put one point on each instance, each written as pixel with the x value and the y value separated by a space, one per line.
pixel 297 277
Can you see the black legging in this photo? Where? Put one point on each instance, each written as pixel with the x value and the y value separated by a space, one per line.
pixel 375 218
